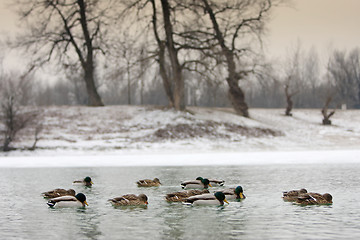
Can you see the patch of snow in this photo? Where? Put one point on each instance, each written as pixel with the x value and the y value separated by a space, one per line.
pixel 125 130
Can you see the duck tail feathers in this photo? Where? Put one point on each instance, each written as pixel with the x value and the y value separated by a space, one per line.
pixel 50 203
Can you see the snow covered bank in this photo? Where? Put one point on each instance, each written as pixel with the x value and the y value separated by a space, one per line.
pixel 181 159
pixel 147 130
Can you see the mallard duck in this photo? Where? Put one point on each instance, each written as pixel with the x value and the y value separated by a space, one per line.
pixel 291 196
pixel 217 198
pixel 58 192
pixel 68 201
pixel 314 199
pixel 204 183
pixel 216 182
pixel 129 200
pixel 234 193
pixel 213 182
pixel 86 182
pixel 148 183
pixel 181 196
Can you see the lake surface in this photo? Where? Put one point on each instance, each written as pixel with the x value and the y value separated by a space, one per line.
pixel 262 215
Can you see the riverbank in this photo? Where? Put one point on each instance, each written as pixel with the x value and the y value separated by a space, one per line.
pixel 80 130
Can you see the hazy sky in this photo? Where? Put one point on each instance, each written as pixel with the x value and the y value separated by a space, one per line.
pixel 321 23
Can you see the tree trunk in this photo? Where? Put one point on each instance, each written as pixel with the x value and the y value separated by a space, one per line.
pixel 326 120
pixel 88 64
pixel 179 100
pixel 236 95
pixel 129 84
pixel 288 101
pixel 164 76
pixel 94 97
pixel 162 63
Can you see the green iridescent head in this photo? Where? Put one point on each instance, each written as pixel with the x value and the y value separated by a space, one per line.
pixel 87 179
pixel 219 196
pixel 206 182
pixel 199 178
pixel 238 190
pixel 81 197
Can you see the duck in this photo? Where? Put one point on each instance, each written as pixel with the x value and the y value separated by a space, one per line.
pixel 58 192
pixel 314 199
pixel 129 200
pixel 234 193
pixel 85 182
pixel 216 182
pixel 149 183
pixel 217 198
pixel 79 200
pixel 213 182
pixel 203 183
pixel 181 196
pixel 291 196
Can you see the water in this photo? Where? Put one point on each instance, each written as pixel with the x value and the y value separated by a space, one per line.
pixel 263 215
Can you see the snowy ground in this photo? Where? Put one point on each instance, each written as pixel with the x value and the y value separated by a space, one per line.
pixel 134 135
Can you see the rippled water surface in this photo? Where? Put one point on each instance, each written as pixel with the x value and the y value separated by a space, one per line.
pixel 263 215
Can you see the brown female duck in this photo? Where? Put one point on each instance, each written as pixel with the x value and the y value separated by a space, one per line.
pixel 291 196
pixel 314 199
pixel 149 183
pixel 129 200
pixel 58 192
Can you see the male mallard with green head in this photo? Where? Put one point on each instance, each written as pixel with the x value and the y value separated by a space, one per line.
pixel 58 192
pixel 203 183
pixel 314 199
pixel 234 193
pixel 86 182
pixel 181 196
pixel 291 196
pixel 148 183
pixel 68 201
pixel 217 198
pixel 213 182
pixel 129 200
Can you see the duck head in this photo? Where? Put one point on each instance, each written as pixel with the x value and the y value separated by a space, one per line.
pixel 81 197
pixel 157 180
pixel 87 180
pixel 302 191
pixel 239 192
pixel 221 197
pixel 327 197
pixel 206 182
pixel 143 198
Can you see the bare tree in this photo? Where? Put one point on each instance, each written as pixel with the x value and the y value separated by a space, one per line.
pixel 325 113
pixel 63 30
pixel 227 35
pixel 293 79
pixel 13 116
pixel 173 80
pixel 161 53
pixel 289 98
pixel 345 72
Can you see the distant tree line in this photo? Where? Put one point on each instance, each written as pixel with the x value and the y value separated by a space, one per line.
pixel 265 89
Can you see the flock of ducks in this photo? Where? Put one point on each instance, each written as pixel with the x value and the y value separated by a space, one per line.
pixel 195 193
